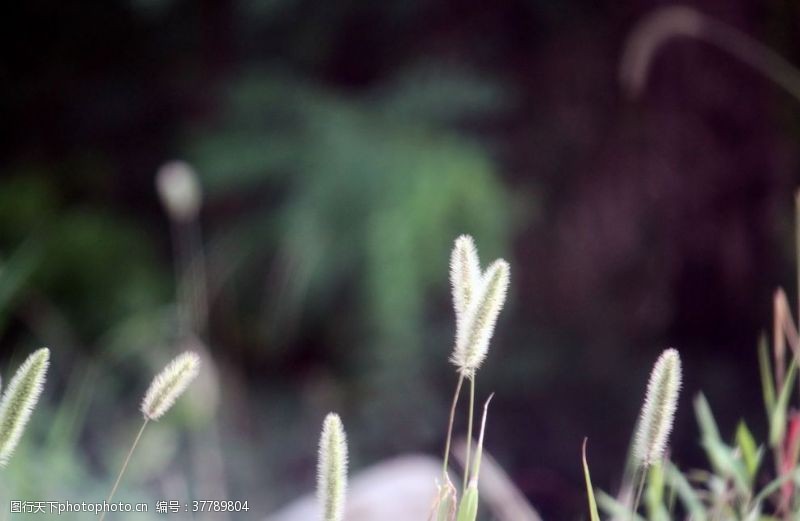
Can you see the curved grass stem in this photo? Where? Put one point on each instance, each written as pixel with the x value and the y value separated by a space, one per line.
pixel 469 430
pixel 450 426
pixel 677 21
pixel 125 465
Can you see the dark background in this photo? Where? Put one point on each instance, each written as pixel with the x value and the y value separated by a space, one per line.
pixel 342 147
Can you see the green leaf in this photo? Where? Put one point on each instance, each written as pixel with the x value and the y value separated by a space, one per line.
pixel 751 455
pixel 595 516
pixel 777 423
pixel 616 509
pixel 705 419
pixel 719 454
pixel 654 497
pixel 686 493
pixel 765 368
pixel 468 509
pixel 655 488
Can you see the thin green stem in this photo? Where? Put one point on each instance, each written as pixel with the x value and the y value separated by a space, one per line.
pixel 450 426
pixel 476 468
pixel 469 429
pixel 125 465
pixel 639 491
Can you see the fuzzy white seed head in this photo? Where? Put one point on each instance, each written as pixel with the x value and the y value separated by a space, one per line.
pixel 332 469
pixel 658 411
pixel 480 317
pixel 169 384
pixel 179 190
pixel 16 405
pixel 465 273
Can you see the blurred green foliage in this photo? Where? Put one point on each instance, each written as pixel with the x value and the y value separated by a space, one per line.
pixel 90 265
pixel 329 218
pixel 356 194
pixel 343 146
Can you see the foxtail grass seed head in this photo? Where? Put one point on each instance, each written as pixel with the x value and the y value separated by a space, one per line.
pixel 179 190
pixel 19 400
pixel 472 338
pixel 658 412
pixel 332 469
pixel 465 273
pixel 169 384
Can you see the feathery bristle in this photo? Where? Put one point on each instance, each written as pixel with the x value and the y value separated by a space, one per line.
pixel 20 398
pixel 169 384
pixel 465 273
pixel 332 469
pixel 658 412
pixel 472 338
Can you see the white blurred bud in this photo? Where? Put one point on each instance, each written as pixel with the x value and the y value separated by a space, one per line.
pixel 179 189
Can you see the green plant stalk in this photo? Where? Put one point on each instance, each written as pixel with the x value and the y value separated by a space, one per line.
pixel 450 427
pixel 767 382
pixel 639 490
pixel 476 468
pixel 777 427
pixel 654 496
pixel 125 465
pixel 594 515
pixel 469 430
pixel 468 509
pixel 446 503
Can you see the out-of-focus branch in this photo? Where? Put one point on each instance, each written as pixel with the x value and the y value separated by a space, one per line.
pixel 666 23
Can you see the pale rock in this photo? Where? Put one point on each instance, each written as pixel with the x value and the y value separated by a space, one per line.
pixel 400 489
